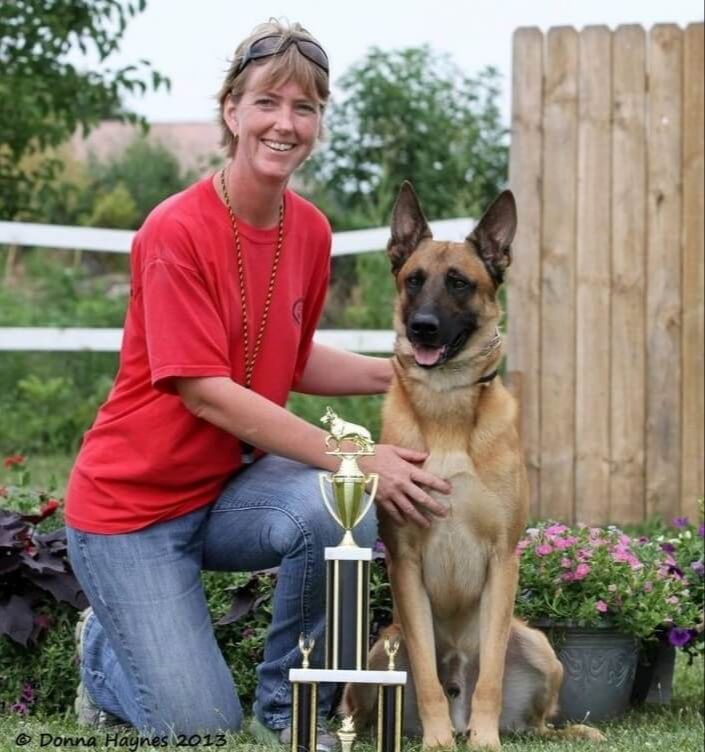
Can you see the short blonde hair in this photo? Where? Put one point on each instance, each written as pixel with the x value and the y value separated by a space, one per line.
pixel 291 65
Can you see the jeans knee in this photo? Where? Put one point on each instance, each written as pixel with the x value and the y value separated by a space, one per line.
pixel 365 532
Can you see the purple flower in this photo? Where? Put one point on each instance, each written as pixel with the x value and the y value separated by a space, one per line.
pixel 679 637
pixel 20 708
pixel 669 548
pixel 378 547
pixel 679 522
pixel 27 693
pixel 698 567
pixel 544 549
pixel 701 531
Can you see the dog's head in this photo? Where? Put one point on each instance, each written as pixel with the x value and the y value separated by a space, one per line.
pixel 447 292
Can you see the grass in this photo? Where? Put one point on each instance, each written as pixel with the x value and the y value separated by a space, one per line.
pixel 677 727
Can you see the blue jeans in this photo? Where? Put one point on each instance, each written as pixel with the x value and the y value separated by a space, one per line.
pixel 150 656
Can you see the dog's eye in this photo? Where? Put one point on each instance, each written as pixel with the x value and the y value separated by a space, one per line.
pixel 414 282
pixel 458 283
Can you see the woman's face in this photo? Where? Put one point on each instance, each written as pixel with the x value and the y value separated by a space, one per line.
pixel 276 128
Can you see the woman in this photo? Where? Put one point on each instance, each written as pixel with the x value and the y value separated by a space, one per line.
pixel 193 462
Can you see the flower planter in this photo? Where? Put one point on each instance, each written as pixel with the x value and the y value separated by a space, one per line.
pixel 653 683
pixel 600 665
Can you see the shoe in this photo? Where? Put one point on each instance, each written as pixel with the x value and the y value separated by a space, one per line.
pixel 87 712
pixel 325 741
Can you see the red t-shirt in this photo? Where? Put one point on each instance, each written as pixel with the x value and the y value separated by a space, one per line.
pixel 146 457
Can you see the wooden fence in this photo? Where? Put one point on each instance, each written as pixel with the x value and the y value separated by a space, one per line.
pixel 605 319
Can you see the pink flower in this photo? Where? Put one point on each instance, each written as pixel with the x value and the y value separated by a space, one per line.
pixel 562 543
pixel 556 529
pixel 602 607
pixel 544 549
pixel 673 600
pixel 568 577
pixel 582 571
pixel 566 563
pixel 522 545
pixel 648 586
pixel 584 554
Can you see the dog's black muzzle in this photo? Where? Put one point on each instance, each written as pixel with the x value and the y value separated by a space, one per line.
pixel 436 339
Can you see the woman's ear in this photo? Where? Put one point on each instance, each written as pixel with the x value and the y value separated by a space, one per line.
pixel 230 110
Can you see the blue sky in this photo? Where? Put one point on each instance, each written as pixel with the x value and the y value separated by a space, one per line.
pixel 191 41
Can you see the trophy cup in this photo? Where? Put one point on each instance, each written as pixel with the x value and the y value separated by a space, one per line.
pixel 347 603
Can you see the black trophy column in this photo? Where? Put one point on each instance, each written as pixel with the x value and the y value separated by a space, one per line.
pixel 390 711
pixel 347 613
pixel 304 716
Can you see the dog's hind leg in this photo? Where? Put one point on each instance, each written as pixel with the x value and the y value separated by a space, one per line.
pixel 532 665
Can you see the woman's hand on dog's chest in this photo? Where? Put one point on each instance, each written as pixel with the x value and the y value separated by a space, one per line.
pixel 403 484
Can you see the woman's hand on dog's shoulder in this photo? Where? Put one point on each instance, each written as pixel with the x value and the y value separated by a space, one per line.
pixel 402 487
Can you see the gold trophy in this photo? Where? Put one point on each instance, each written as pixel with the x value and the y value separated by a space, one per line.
pixel 348 505
pixel 347 605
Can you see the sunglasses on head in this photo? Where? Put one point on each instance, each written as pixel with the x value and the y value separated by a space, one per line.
pixel 277 44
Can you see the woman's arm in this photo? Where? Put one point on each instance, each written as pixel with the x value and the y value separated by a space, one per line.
pixel 330 371
pixel 264 424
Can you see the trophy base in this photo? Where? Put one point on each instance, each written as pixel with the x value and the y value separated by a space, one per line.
pixel 347 553
pixel 345 676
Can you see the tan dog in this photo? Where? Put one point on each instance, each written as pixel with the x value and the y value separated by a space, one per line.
pixel 474 667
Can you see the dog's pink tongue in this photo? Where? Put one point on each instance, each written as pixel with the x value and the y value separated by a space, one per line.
pixel 427 356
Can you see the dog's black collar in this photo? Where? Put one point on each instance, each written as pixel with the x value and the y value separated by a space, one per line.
pixel 488 378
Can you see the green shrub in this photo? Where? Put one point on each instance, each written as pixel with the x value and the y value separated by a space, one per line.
pixel 147 171
pixel 115 208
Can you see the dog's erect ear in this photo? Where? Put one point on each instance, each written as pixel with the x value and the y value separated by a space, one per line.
pixel 494 233
pixel 409 227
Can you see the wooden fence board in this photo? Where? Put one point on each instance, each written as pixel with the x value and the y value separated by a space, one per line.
pixel 628 330
pixel 592 365
pixel 557 410
pixel 524 283
pixel 663 303
pixel 607 165
pixel 693 272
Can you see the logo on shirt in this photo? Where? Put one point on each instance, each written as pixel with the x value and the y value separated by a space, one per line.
pixel 297 311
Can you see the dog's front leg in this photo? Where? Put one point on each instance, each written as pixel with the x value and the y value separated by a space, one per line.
pixel 496 609
pixel 414 611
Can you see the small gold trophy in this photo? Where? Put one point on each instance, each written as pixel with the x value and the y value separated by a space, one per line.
pixel 348 483
pixel 347 734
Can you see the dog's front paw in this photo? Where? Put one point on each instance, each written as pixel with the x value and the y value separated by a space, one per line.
pixel 437 735
pixel 483 739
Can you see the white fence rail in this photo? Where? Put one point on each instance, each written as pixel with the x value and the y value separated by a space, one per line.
pixel 25 234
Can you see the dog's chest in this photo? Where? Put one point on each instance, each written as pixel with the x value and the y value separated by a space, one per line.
pixel 457 548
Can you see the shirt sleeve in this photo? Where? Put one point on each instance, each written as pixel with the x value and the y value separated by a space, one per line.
pixel 184 331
